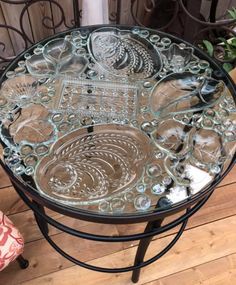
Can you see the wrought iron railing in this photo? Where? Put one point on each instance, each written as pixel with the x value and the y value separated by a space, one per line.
pixel 23 22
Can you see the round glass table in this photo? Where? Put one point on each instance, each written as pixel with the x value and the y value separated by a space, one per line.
pixel 119 125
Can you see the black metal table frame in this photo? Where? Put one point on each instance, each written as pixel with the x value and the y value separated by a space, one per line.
pixel 154 219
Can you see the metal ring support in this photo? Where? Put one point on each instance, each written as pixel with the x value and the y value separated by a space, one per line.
pixel 102 238
pixel 115 270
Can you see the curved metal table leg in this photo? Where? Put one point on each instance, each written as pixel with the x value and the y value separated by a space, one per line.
pixel 142 248
pixel 24 263
pixel 41 222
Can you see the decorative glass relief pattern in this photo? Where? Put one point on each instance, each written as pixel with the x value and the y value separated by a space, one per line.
pixel 94 163
pixel 116 121
pixel 124 54
pixel 98 99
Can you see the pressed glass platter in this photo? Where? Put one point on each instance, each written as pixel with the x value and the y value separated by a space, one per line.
pixel 94 163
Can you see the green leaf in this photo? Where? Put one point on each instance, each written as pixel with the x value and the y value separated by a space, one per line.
pixel 232 52
pixel 226 44
pixel 230 55
pixel 227 67
pixel 209 47
pixel 223 40
pixel 232 13
pixel 233 42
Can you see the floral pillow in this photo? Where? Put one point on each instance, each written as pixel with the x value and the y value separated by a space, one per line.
pixel 11 241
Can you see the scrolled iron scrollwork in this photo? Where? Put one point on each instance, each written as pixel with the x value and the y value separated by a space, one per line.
pixel 15 2
pixel 4 59
pixel 205 23
pixel 178 12
pixel 152 5
pixel 47 22
pixel 113 16
pixel 44 19
pixel 3 46
pixel 149 7
pixel 181 15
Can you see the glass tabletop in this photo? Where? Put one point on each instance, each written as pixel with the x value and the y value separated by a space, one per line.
pixel 116 120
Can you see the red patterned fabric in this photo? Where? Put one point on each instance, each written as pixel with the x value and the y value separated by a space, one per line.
pixel 11 241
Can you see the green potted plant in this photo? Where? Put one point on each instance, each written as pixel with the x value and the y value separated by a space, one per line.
pixel 224 49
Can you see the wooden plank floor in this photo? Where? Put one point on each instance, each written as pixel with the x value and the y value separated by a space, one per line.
pixel 205 254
